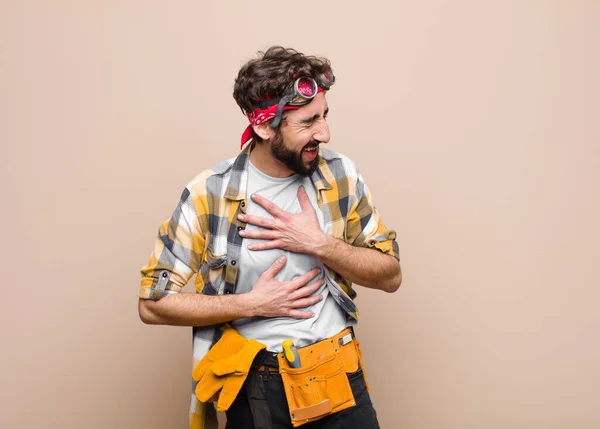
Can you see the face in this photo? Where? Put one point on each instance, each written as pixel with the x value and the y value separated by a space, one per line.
pixel 296 143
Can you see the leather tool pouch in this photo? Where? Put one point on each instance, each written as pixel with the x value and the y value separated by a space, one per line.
pixel 320 387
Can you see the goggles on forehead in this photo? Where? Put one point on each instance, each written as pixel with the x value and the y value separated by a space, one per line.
pixel 299 93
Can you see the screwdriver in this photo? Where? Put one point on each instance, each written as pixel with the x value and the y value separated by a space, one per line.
pixel 290 353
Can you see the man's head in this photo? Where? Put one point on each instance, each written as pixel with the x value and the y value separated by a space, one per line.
pixel 266 90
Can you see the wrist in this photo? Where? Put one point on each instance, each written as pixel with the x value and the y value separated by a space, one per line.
pixel 246 305
pixel 323 245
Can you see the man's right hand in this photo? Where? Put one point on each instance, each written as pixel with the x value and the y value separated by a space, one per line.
pixel 270 297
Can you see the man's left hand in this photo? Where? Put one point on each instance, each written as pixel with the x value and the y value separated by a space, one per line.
pixel 296 232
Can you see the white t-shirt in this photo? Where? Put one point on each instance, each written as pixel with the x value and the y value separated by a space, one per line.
pixel 329 318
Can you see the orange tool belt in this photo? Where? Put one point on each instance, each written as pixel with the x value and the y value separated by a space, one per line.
pixel 320 386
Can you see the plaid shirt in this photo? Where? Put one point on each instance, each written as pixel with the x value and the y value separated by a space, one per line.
pixel 202 236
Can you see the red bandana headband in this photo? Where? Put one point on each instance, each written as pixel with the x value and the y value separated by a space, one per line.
pixel 260 116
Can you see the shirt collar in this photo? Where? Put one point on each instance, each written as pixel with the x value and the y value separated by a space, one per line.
pixel 236 189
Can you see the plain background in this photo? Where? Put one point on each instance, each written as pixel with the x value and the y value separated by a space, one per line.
pixel 475 124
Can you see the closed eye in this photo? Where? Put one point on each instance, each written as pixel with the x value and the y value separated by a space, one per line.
pixel 309 121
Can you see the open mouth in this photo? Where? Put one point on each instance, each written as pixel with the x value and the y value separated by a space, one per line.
pixel 311 148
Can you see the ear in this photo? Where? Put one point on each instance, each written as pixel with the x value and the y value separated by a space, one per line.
pixel 264 131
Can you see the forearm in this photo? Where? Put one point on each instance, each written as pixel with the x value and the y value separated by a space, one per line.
pixel 364 266
pixel 191 309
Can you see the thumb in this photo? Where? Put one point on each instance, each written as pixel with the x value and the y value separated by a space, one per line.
pixel 305 203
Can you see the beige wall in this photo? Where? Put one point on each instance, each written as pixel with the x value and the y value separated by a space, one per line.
pixel 476 124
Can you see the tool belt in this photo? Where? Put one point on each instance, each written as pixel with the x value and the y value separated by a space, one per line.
pixel 320 386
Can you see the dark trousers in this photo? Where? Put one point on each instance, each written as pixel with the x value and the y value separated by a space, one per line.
pixel 361 416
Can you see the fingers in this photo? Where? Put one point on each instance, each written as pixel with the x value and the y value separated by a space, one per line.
pixel 305 278
pixel 275 267
pixel 264 234
pixel 268 205
pixel 273 244
pixel 287 297
pixel 306 291
pixel 257 220
pixel 304 303
pixel 297 314
pixel 307 302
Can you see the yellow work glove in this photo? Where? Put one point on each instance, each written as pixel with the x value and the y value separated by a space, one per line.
pixel 225 377
pixel 231 342
pixel 222 372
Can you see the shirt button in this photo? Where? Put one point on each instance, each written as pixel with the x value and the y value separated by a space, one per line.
pixel 240 228
pixel 243 204
pixel 233 262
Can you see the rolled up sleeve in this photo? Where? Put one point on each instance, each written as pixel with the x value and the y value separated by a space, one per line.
pixel 178 250
pixel 364 226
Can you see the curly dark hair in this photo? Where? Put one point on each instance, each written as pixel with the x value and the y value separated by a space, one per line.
pixel 268 75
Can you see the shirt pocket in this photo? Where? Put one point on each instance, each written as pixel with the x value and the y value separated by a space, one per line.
pixel 212 273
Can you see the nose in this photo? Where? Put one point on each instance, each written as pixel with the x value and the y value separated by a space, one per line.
pixel 321 133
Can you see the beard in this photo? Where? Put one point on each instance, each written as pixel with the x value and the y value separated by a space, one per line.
pixel 293 160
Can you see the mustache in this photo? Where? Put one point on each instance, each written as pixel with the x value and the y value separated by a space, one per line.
pixel 312 144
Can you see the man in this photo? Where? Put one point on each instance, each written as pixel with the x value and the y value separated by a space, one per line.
pixel 278 235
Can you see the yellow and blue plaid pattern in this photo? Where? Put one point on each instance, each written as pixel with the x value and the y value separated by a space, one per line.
pixel 201 237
